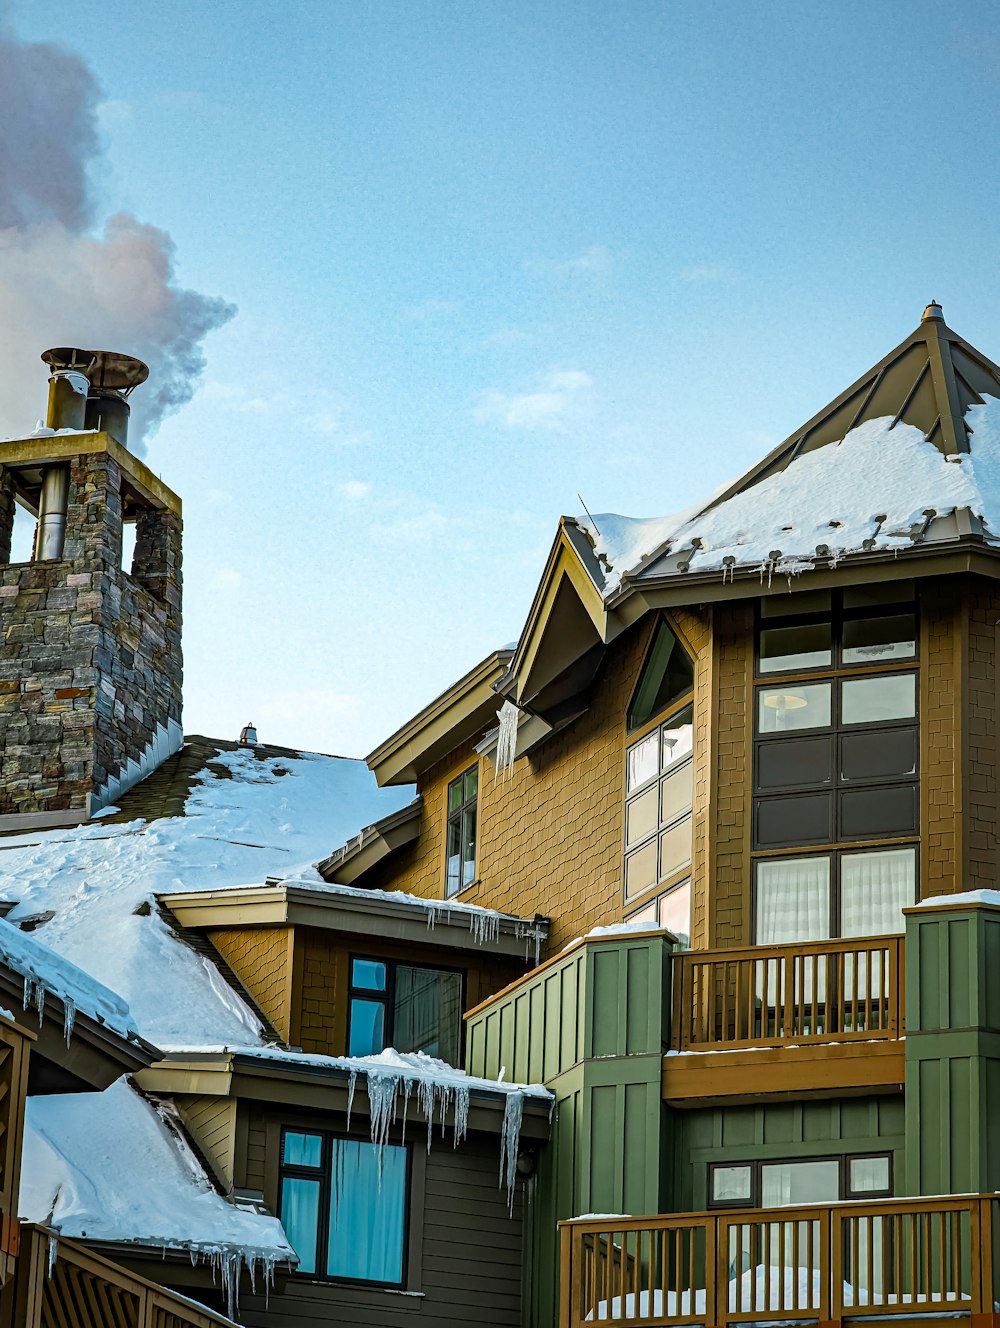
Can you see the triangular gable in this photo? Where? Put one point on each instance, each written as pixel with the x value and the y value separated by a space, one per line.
pixel 929 381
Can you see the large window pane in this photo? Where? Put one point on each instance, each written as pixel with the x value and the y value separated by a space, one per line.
pixel 428 1012
pixel 874 640
pixel 643 761
pixel 641 816
pixel 874 700
pixel 876 593
pixel 675 793
pixel 675 848
pixel 468 846
pixel 367 1212
pixel 640 870
pixel 869 1175
pixel 678 736
pixel 793 900
pixel 797 762
pixel 879 813
pixel 367 1028
pixel 368 973
pixel 303 1150
pixel 804 818
pixel 887 754
pixel 781 709
pixel 731 1184
pixel 300 1218
pixel 799 1182
pixel 874 888
pixel 668 673
pixel 785 649
pixel 675 912
pixel 801 602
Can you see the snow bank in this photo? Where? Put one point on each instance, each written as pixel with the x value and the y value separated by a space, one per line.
pixel 271 816
pixel 106 1167
pixel 46 973
pixel 870 490
pixel 965 897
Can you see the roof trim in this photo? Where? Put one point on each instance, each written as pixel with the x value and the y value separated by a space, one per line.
pixel 464 710
pixel 373 845
pixel 16 452
pixel 428 922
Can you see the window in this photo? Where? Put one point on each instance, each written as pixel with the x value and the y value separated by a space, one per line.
pixel 671 910
pixel 461 852
pixel 406 1006
pixel 659 771
pixel 835 763
pixel 800 1180
pixel 343 1205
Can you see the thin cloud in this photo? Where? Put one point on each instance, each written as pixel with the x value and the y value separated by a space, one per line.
pixel 594 262
pixel 560 396
pixel 356 489
pixel 702 274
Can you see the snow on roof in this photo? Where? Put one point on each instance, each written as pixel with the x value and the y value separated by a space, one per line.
pixel 272 815
pixel 105 1166
pixel 868 491
pixel 962 897
pixel 47 973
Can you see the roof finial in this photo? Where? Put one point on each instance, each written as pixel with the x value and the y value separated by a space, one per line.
pixel 932 312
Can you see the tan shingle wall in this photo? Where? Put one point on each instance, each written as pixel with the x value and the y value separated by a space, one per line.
pixel 940 697
pixel 550 835
pixel 981 729
pixel 262 960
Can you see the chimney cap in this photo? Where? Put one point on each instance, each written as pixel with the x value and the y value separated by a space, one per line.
pixel 107 370
pixel 933 313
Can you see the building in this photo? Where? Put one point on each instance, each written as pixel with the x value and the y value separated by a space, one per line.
pixel 707 913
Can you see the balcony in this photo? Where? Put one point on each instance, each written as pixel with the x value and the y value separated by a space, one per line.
pixel 930 1259
pixel 836 1006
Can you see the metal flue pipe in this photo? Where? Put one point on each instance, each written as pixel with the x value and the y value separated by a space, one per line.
pixel 68 389
pixel 50 535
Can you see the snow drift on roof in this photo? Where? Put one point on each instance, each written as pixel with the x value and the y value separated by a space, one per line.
pixel 276 816
pixel 104 1166
pixel 46 973
pixel 867 491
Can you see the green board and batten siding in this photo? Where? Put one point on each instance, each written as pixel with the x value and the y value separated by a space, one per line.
pixel 593 1026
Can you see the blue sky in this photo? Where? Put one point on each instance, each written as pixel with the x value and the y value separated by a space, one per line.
pixel 487 257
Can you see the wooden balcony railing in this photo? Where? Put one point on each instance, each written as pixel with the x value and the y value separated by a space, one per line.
pixel 929 1258
pixel 819 991
pixel 69 1286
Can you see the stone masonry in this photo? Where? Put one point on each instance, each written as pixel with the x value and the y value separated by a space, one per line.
pixel 90 655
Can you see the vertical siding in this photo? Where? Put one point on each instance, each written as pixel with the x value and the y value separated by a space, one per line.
pixel 980 794
pixel 212 1122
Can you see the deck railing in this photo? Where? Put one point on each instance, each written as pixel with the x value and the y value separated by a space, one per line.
pixel 61 1284
pixel 819 991
pixel 829 1262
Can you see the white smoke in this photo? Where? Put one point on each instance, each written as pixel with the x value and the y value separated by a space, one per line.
pixel 64 283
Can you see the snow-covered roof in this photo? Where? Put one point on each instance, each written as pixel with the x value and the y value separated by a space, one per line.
pixel 874 490
pixel 46 973
pixel 246 817
pixel 106 1167
pixel 909 454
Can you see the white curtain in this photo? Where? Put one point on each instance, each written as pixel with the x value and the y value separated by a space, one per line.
pixel 793 900
pixel 874 887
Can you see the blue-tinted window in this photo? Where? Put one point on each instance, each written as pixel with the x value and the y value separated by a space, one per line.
pixel 343 1204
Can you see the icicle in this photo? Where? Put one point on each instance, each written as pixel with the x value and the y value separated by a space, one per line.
pixel 510 1138
pixel 485 926
pixel 69 1017
pixel 27 991
pixel 351 1085
pixel 461 1114
pixel 53 1252
pixel 39 1000
pixel 506 752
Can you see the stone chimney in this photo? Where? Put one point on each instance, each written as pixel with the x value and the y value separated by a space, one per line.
pixel 90 652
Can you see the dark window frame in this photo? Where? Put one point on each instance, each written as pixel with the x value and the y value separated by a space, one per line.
pixel 458 817
pixel 387 998
pixel 636 731
pixel 756 1166
pixel 324 1175
pixel 837 616
pixel 834 855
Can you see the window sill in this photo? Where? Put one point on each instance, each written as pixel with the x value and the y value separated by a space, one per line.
pixel 464 890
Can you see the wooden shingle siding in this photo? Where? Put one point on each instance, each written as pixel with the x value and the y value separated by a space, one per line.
pixel 261 958
pixel 468 1267
pixel 941 703
pixel 981 753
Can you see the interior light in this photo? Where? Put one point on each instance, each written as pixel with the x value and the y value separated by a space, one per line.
pixel 785 700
